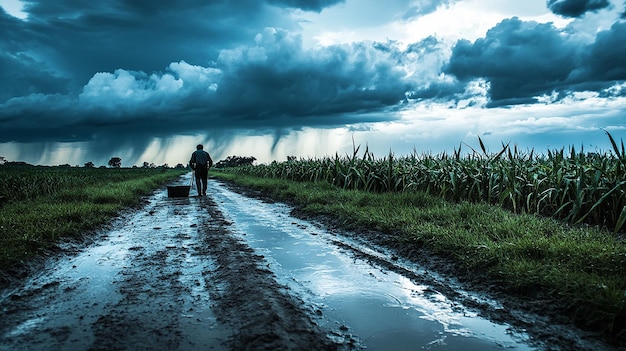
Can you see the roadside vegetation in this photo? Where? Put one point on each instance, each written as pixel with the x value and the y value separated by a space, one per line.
pixel 39 204
pixel 543 227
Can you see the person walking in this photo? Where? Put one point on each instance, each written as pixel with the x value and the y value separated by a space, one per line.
pixel 200 162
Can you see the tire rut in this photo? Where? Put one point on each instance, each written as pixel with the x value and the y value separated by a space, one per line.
pixel 260 311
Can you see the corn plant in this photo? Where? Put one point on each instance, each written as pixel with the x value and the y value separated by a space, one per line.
pixel 572 186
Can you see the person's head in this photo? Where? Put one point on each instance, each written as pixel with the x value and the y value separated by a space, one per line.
pixel 199 147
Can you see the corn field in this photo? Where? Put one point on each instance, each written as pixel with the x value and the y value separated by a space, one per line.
pixel 572 186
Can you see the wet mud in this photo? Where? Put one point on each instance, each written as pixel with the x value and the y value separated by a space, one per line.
pixel 238 272
pixel 261 313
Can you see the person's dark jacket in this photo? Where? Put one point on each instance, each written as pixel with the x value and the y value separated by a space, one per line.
pixel 200 159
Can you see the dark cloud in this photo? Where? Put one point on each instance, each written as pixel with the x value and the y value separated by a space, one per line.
pixel 75 39
pixel 523 60
pixel 78 66
pixel 358 77
pixel 26 69
pixel 310 5
pixel 576 8
pixel 424 7
pixel 520 60
pixel 273 84
pixel 27 76
pixel 604 59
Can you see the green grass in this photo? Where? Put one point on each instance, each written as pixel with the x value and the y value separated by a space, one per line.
pixel 43 204
pixel 581 269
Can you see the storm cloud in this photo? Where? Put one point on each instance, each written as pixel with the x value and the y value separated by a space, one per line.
pixel 165 61
pixel 75 40
pixel 576 8
pixel 274 84
pixel 317 5
pixel 525 60
pixel 424 7
pixel 124 72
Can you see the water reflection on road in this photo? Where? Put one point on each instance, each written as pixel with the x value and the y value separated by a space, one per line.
pixel 382 309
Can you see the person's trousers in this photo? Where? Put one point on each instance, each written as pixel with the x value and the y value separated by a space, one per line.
pixel 201 180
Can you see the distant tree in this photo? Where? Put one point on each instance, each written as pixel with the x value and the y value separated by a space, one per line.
pixel 2 160
pixel 17 163
pixel 89 165
pixel 235 161
pixel 115 162
pixel 291 158
pixel 180 165
pixel 145 165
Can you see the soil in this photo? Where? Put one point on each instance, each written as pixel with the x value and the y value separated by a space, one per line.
pixel 231 297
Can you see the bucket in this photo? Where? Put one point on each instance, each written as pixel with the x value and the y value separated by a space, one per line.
pixel 178 191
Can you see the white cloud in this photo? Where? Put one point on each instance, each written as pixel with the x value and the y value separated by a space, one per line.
pixel 351 21
pixel 587 26
pixel 472 19
pixel 137 90
pixel 14 8
pixel 461 19
pixel 193 76
pixel 441 128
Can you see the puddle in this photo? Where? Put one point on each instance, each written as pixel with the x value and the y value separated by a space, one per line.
pixel 382 309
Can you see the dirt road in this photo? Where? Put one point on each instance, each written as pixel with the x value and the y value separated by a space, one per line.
pixel 226 272
pixel 158 280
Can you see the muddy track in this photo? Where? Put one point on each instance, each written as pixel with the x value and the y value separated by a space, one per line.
pixel 168 277
pixel 261 313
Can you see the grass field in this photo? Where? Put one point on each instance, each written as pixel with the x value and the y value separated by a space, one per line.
pixel 41 204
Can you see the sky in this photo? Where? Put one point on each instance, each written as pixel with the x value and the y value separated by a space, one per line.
pixel 143 80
